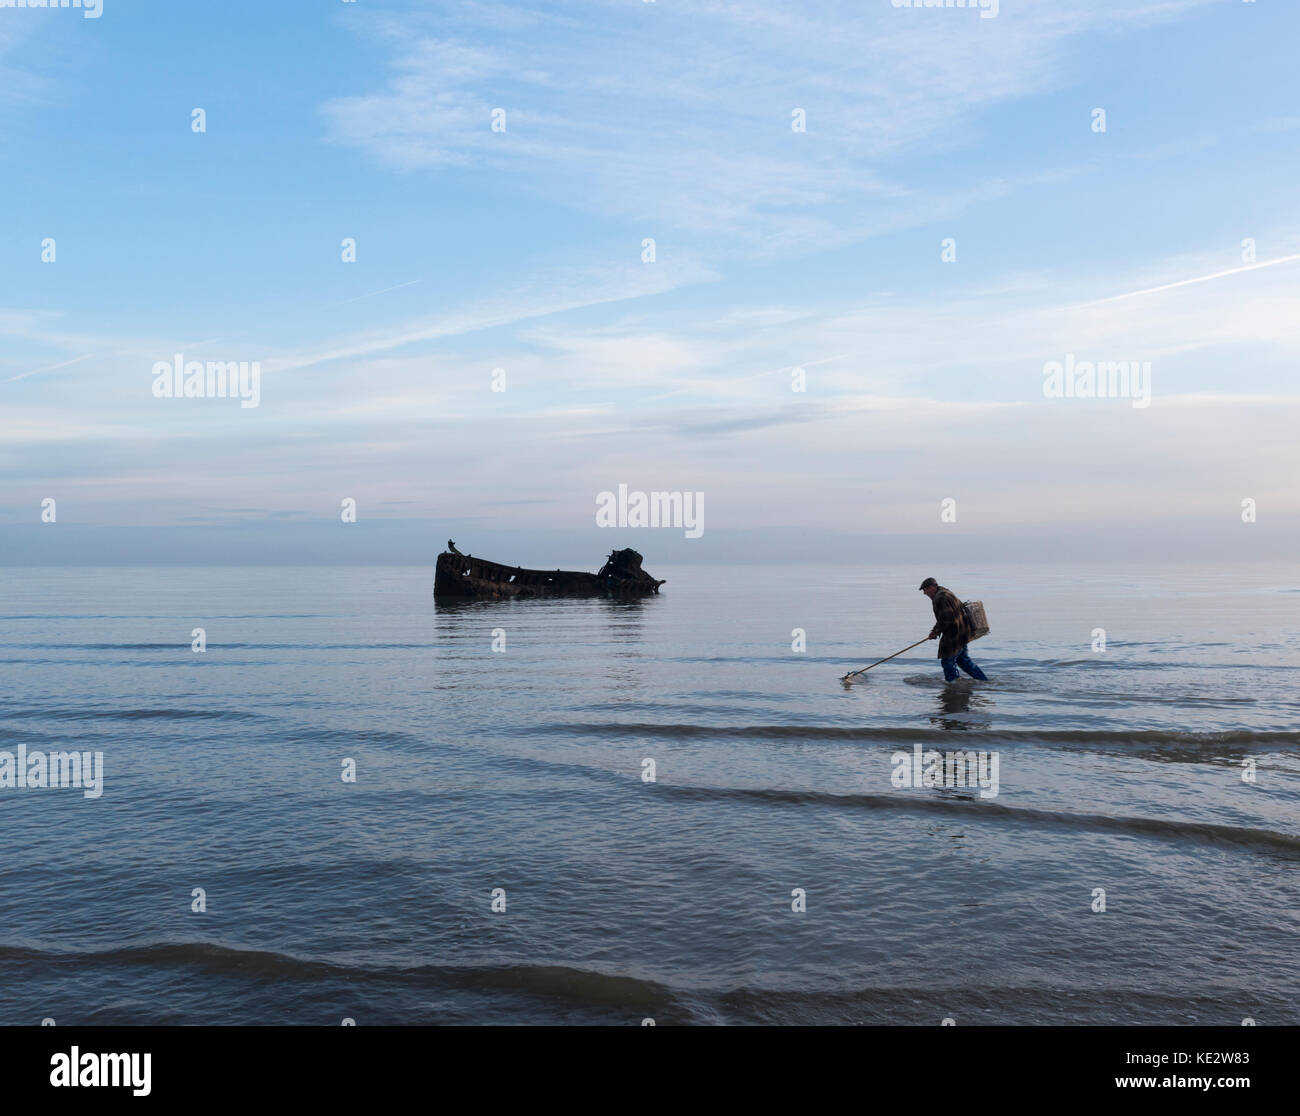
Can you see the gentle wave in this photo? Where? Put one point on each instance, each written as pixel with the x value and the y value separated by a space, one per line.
pixel 782 1001
pixel 564 981
pixel 952 803
pixel 99 714
pixel 1233 738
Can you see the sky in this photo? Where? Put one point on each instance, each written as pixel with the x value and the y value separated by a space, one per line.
pixel 911 214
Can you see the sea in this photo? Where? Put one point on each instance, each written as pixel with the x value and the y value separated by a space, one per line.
pixel 342 801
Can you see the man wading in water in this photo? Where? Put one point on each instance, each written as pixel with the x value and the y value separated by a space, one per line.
pixel 950 622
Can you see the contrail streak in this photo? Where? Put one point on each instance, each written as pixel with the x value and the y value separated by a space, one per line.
pixel 50 367
pixel 1189 282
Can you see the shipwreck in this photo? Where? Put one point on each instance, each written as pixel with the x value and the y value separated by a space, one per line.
pixel 464 577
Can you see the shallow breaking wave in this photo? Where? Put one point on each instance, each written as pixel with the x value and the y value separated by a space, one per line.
pixel 944 737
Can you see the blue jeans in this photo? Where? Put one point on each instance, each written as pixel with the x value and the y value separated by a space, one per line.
pixel 961 659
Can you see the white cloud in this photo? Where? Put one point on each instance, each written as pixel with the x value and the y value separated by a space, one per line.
pixel 659 114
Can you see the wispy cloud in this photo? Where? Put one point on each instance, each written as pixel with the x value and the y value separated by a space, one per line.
pixel 629 110
pixel 543 296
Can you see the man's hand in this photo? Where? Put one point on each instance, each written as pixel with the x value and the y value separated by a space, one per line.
pixel 934 634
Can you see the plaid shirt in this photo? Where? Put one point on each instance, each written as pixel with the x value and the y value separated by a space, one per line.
pixel 950 623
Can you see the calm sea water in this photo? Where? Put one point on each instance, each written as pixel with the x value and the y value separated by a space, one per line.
pixel 625 899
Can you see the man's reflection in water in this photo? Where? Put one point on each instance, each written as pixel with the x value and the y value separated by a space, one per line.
pixel 956 700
